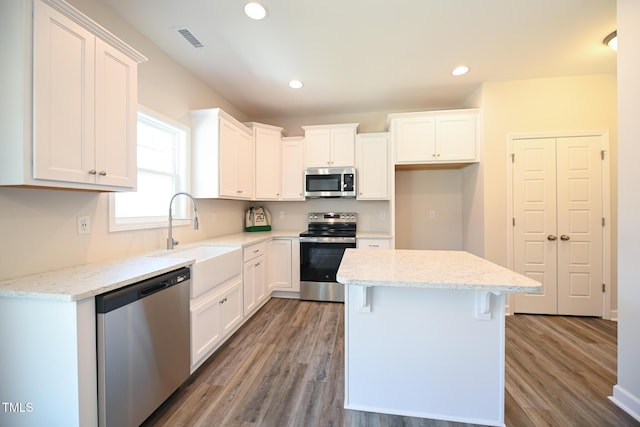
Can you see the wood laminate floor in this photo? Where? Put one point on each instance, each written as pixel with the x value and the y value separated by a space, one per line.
pixel 285 367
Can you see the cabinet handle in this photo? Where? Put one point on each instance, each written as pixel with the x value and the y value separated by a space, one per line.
pixel 92 172
pixel 239 191
pixel 223 300
pixel 255 251
pixel 374 246
pixel 551 238
pixel 564 237
pixel 102 173
pixel 257 264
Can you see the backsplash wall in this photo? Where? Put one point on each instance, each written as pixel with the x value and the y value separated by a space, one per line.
pixel 39 230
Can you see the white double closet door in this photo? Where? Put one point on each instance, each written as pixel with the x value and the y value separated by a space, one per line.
pixel 558 223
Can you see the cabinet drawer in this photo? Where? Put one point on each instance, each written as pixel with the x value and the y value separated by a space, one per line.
pixel 374 243
pixel 254 251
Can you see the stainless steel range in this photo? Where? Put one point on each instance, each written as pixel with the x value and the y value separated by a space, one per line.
pixel 321 249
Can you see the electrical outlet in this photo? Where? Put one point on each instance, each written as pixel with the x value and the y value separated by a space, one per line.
pixel 432 214
pixel 281 214
pixel 84 224
pixel 383 214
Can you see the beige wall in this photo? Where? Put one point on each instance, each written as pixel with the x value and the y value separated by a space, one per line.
pixel 584 103
pixel 38 227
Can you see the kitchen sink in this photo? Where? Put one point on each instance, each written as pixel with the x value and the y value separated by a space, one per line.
pixel 212 265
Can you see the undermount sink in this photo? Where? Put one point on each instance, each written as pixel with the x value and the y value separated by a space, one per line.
pixel 213 265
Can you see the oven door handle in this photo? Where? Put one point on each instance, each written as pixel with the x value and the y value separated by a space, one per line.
pixel 327 240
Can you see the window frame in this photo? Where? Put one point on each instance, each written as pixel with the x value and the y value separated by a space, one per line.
pixel 180 204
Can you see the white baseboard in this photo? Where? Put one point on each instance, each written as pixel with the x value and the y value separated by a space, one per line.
pixel 614 315
pixel 627 401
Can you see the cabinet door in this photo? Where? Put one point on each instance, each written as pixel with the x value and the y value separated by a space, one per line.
pixel 248 287
pixel 231 308
pixel 244 165
pixel 280 264
pixel 259 279
pixel 317 148
pixel 456 138
pixel 205 328
pixel 268 160
pixel 116 117
pixel 415 139
pixel 228 159
pixel 343 147
pixel 372 163
pixel 63 98
pixel 292 170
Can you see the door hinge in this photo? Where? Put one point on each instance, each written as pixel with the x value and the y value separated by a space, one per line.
pixel 513 157
pixel 603 222
pixel 513 222
pixel 603 288
pixel 602 154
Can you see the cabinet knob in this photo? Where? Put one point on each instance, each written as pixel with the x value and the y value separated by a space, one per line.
pixel 551 238
pixel 564 237
pixel 92 172
pixel 102 173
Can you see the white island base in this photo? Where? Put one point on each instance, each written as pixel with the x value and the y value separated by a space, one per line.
pixel 425 333
pixel 422 353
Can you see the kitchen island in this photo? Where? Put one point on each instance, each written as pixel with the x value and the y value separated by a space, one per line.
pixel 425 333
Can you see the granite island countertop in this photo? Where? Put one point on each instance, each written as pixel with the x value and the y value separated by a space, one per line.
pixel 430 269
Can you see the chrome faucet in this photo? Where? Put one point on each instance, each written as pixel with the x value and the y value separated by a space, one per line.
pixel 170 242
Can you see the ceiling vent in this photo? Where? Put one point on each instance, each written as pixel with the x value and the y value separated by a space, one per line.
pixel 187 34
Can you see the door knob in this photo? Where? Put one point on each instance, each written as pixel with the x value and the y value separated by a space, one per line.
pixel 551 237
pixel 564 237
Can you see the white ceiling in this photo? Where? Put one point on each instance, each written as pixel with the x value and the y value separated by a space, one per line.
pixel 359 56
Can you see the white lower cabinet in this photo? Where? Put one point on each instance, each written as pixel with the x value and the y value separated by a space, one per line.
pixel 283 259
pixel 254 277
pixel 214 317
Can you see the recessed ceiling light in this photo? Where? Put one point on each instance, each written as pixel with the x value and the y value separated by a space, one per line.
pixel 295 84
pixel 255 10
pixel 612 40
pixel 458 71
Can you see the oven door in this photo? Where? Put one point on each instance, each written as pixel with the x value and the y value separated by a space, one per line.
pixel 320 259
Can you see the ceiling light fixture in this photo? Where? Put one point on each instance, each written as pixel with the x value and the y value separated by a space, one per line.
pixel 612 40
pixel 458 71
pixel 255 10
pixel 295 84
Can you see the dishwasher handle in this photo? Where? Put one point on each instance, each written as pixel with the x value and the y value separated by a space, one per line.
pixel 153 289
pixel 120 297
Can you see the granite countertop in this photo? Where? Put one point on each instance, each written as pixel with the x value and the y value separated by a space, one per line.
pixel 87 280
pixel 429 269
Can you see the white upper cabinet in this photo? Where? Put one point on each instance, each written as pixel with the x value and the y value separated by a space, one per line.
pixel 73 125
pixel 223 156
pixel 268 161
pixel 330 145
pixel 435 137
pixel 373 166
pixel 292 168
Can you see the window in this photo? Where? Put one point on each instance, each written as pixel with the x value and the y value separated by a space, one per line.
pixel 162 171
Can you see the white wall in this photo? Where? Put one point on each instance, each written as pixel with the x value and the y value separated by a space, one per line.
pixel 627 392
pixel 417 193
pixel 295 213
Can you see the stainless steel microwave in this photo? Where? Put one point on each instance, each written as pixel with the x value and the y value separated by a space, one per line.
pixel 330 182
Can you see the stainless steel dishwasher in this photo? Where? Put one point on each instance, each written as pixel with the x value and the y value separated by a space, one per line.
pixel 143 347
